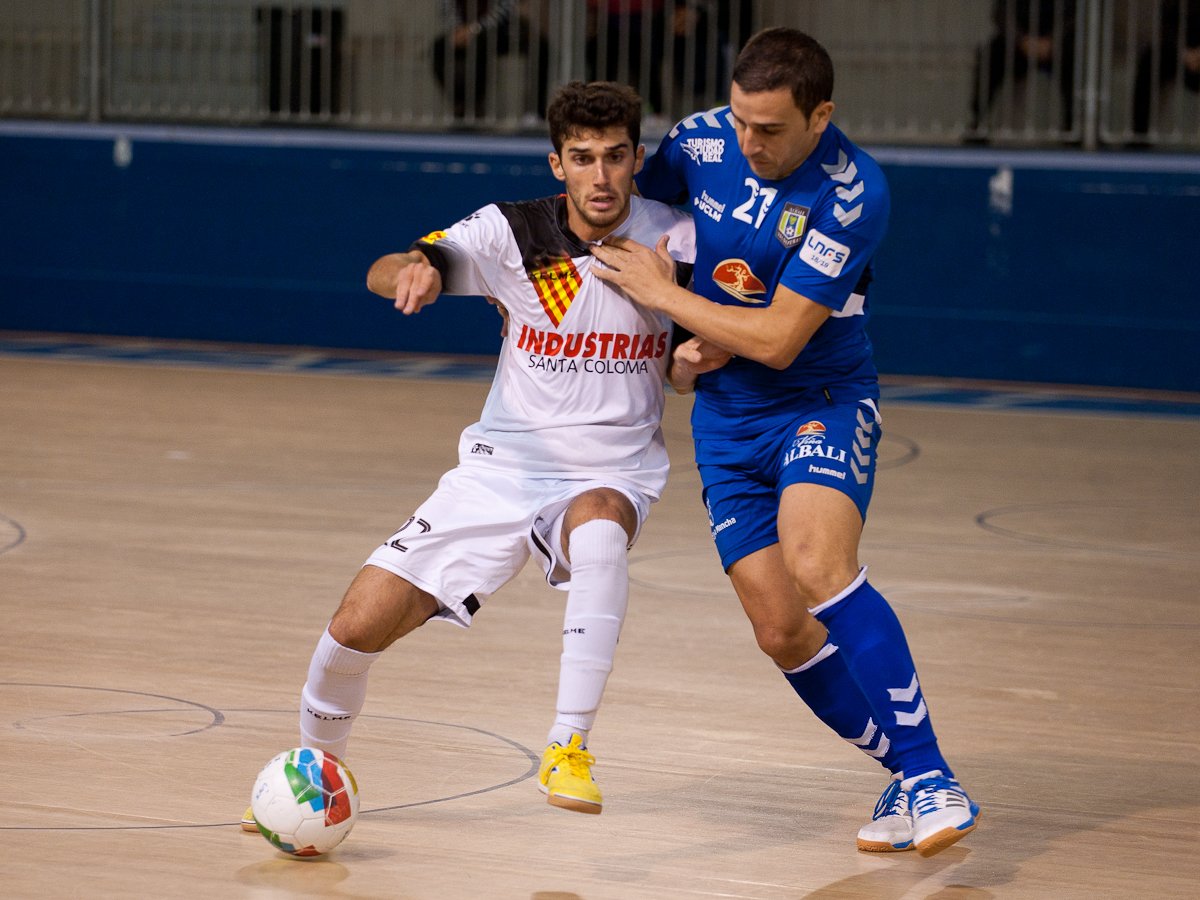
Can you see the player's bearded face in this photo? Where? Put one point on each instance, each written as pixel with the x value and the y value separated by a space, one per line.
pixel 597 168
pixel 774 135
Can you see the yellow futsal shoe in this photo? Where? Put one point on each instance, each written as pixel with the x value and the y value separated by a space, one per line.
pixel 248 821
pixel 566 777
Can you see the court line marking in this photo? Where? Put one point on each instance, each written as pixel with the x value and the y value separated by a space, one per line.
pixel 19 539
pixel 318 361
pixel 219 718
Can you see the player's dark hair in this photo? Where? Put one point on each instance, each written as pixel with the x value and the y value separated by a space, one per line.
pixel 786 58
pixel 593 106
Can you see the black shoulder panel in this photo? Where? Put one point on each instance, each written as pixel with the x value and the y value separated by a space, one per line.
pixel 541 232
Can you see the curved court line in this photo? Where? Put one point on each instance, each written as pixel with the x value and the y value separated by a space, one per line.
pixel 896 596
pixel 722 592
pixel 22 723
pixel 912 450
pixel 18 540
pixel 1044 623
pixel 984 521
pixel 911 447
pixel 218 717
pixel 534 762
pixel 910 598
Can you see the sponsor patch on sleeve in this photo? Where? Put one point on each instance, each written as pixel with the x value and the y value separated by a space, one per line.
pixel 824 253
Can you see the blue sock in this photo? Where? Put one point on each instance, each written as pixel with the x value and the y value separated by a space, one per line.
pixel 826 685
pixel 872 640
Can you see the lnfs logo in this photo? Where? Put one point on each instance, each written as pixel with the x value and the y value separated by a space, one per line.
pixel 824 254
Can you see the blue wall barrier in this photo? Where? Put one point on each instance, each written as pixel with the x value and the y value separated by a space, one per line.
pixel 1047 267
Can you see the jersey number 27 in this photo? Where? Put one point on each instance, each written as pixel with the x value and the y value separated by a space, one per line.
pixel 758 193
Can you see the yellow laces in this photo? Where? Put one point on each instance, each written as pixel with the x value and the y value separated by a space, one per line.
pixel 577 760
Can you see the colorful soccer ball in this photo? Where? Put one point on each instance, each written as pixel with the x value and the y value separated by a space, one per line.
pixel 305 802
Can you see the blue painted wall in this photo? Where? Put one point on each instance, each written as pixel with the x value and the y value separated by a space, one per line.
pixel 1067 268
pixel 1048 267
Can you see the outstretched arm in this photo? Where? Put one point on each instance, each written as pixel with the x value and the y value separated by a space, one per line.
pixel 407 278
pixel 772 335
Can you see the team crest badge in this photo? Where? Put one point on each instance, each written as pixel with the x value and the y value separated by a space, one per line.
pixel 792 220
pixel 734 277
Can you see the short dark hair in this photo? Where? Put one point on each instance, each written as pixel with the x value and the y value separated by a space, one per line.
pixel 593 105
pixel 786 58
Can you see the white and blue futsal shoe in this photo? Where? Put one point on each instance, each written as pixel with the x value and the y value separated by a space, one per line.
pixel 891 827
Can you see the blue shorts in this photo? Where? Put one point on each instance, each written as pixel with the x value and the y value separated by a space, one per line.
pixel 831 444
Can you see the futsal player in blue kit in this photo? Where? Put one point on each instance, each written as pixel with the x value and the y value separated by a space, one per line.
pixel 786 423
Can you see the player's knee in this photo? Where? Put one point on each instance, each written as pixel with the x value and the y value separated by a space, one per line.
pixel 817 580
pixel 602 503
pixel 355 633
pixel 370 621
pixel 790 644
pixel 772 640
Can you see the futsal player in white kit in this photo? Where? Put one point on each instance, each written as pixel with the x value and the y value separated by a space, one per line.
pixel 568 454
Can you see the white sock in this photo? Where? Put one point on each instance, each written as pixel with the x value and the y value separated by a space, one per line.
pixel 333 696
pixel 596 606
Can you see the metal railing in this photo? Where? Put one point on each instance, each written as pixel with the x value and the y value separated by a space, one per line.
pixel 1019 72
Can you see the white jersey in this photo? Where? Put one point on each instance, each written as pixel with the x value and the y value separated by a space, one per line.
pixel 578 390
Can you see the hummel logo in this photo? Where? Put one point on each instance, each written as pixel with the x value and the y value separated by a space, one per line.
pixel 845 172
pixel 864 741
pixel 908 695
pixel 862 443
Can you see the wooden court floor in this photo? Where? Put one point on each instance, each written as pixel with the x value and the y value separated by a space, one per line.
pixel 173 538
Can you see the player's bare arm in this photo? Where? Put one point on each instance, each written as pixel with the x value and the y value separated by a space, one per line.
pixel 773 335
pixel 410 280
pixel 407 278
pixel 691 359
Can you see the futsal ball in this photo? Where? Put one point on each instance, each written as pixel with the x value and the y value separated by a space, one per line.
pixel 305 801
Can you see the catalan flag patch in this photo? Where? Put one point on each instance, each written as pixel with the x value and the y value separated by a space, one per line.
pixel 557 284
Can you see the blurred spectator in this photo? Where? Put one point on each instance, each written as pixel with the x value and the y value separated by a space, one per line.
pixel 703 35
pixel 689 47
pixel 478 29
pixel 1029 34
pixel 1176 62
pixel 629 34
pixel 629 40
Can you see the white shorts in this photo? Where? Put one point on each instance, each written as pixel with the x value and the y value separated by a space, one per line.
pixel 478 529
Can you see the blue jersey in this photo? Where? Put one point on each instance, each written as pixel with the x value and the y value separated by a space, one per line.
pixel 814 232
